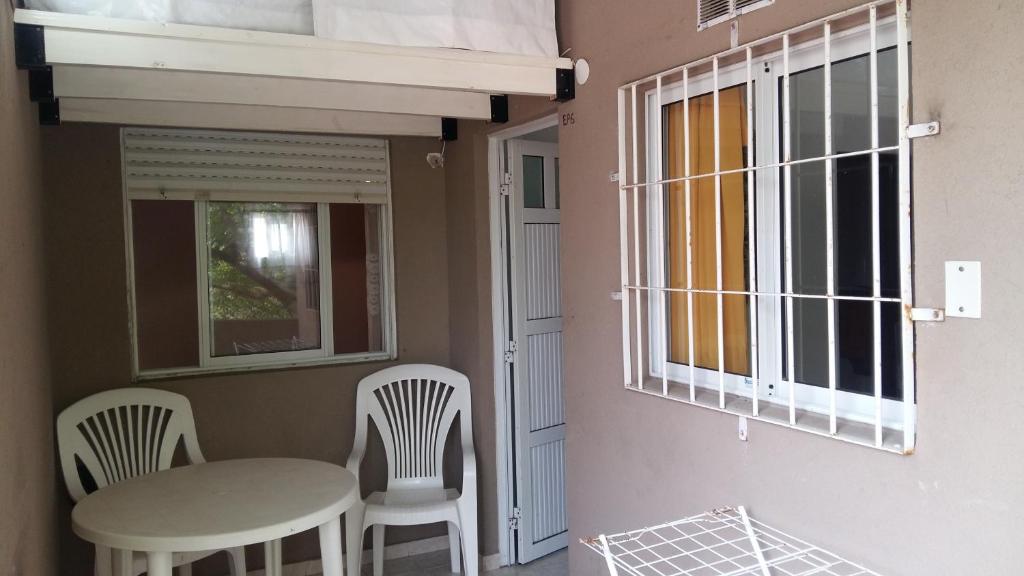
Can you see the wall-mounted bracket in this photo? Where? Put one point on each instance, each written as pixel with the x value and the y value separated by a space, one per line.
pixel 927 314
pixel 449 129
pixel 565 84
pixel 923 130
pixel 29 46
pixel 40 84
pixel 963 289
pixel 49 113
pixel 499 108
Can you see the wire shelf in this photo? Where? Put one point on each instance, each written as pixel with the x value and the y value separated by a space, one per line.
pixel 723 542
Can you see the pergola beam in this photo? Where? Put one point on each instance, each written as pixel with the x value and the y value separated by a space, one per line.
pixel 128 44
pixel 177 86
pixel 245 117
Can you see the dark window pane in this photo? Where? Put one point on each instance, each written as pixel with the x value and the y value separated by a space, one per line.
pixel 166 302
pixel 810 341
pixel 263 278
pixel 852 218
pixel 854 339
pixel 810 271
pixel 356 278
pixel 533 181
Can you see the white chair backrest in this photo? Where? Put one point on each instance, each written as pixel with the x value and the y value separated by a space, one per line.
pixel 413 407
pixel 122 433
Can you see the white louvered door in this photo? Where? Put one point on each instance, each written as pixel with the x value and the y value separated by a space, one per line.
pixel 538 375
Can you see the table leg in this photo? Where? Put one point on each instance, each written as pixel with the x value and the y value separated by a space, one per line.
pixel 272 557
pixel 122 562
pixel 330 547
pixel 158 563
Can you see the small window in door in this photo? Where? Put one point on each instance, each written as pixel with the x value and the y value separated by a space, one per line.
pixel 533 181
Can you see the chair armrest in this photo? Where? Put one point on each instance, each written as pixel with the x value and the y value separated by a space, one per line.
pixel 193 453
pixel 468 465
pixel 355 458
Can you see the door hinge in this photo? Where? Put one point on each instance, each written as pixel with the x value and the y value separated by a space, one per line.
pixel 513 522
pixel 506 183
pixel 510 351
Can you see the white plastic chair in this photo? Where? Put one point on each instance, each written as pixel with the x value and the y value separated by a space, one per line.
pixel 123 433
pixel 413 407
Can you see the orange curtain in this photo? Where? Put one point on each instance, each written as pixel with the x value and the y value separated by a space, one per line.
pixel 733 135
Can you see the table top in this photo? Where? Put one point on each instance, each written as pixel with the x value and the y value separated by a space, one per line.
pixel 215 505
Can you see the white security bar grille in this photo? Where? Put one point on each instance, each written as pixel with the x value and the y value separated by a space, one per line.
pixel 789 300
pixel 711 12
pixel 222 165
pixel 721 542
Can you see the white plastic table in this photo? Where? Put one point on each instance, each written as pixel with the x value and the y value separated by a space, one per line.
pixel 218 505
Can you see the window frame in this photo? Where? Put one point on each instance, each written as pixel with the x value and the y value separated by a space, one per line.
pixel 767 120
pixel 324 354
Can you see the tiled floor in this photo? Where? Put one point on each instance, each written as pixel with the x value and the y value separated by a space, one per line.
pixel 437 564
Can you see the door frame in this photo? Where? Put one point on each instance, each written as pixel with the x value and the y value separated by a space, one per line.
pixel 504 456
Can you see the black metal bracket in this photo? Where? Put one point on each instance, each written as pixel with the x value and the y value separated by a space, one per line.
pixel 49 113
pixel 565 84
pixel 499 108
pixel 449 129
pixel 29 46
pixel 40 84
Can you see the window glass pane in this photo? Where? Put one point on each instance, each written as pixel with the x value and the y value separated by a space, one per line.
pixel 852 219
pixel 733 153
pixel 356 278
pixel 166 300
pixel 263 278
pixel 533 181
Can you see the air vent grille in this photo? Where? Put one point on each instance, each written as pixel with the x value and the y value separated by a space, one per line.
pixel 711 12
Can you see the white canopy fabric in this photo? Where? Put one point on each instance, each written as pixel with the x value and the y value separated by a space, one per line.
pixel 509 26
pixel 287 16
pixel 504 26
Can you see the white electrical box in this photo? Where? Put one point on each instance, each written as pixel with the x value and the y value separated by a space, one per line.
pixel 963 289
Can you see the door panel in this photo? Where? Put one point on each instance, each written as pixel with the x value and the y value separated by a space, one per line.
pixel 545 377
pixel 539 411
pixel 543 285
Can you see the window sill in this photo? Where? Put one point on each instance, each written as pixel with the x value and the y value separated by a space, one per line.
pixel 168 373
pixel 849 431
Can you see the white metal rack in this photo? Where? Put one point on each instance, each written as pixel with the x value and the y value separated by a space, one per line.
pixel 722 542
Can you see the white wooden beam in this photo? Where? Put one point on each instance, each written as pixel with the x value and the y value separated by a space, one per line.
pixel 177 86
pixel 240 117
pixel 118 43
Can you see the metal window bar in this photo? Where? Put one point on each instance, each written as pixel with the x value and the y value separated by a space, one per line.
pixel 830 274
pixel 787 206
pixel 722 542
pixel 664 301
pixel 876 250
pixel 636 247
pixel 655 177
pixel 719 297
pixel 689 237
pixel 906 258
pixel 624 239
pixel 751 230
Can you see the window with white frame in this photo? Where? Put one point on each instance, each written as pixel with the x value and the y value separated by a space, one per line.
pixel 765 224
pixel 249 250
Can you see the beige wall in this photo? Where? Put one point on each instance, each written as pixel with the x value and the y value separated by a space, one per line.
pixel 27 536
pixel 304 413
pixel 957 505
